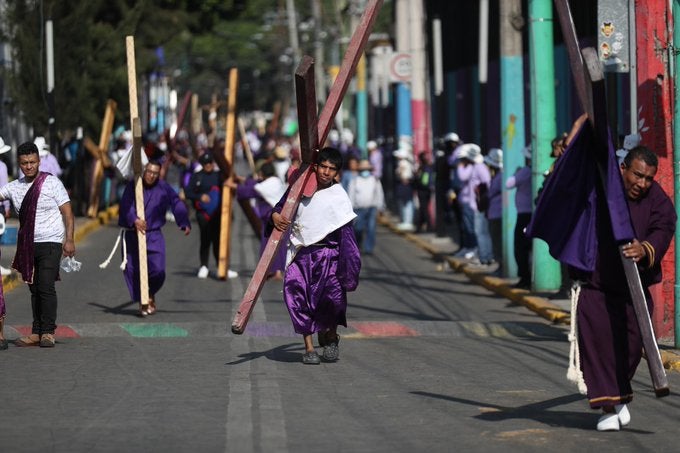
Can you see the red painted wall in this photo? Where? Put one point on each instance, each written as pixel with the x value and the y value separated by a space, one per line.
pixel 655 102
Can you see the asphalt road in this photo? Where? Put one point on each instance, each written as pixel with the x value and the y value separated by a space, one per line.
pixel 430 362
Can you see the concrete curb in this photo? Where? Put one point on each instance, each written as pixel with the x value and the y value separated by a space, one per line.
pixel 539 305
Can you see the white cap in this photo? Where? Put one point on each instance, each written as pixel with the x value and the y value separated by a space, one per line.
pixel 451 137
pixel 3 147
pixel 371 145
pixel 347 136
pixel 41 144
pixel 471 152
pixel 494 158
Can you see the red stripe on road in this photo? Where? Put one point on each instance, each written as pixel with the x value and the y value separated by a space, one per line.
pixel 62 331
pixel 383 329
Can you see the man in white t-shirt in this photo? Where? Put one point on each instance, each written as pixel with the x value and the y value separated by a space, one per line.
pixel 46 227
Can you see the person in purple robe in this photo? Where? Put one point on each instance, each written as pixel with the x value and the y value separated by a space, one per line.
pixel 609 337
pixel 159 196
pixel 323 260
pixel 265 191
pixel 584 221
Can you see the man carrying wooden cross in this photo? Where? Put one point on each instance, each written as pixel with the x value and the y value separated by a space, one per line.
pixel 158 198
pixel 323 261
pixel 608 336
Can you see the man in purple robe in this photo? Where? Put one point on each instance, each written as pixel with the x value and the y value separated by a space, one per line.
pixel 584 222
pixel 158 198
pixel 323 259
pixel 609 336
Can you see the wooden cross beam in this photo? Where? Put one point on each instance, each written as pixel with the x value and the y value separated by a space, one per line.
pixel 101 157
pixel 312 134
pixel 137 165
pixel 589 80
pixel 227 192
pixel 171 137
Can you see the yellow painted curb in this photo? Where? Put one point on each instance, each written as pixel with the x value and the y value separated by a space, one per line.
pixel 9 282
pixel 539 305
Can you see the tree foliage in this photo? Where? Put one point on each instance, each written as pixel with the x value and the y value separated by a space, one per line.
pixel 201 40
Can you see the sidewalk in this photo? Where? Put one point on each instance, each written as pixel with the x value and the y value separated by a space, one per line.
pixel 556 311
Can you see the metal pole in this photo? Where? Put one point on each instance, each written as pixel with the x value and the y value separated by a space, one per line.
pixel 512 120
pixel 419 103
pixel 361 98
pixel 437 51
pixel 403 107
pixel 318 49
pixel 49 44
pixel 545 270
pixel 483 67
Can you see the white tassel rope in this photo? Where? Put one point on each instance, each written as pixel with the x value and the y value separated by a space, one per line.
pixel 113 251
pixel 574 373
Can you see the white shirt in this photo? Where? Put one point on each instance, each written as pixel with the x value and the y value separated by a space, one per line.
pixel 366 192
pixel 49 225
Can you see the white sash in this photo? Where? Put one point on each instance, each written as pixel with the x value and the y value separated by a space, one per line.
pixel 318 216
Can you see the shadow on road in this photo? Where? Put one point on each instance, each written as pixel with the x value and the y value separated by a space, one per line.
pixel 285 353
pixel 538 411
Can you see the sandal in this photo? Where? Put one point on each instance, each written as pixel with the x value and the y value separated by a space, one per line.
pixel 311 358
pixel 152 306
pixel 331 352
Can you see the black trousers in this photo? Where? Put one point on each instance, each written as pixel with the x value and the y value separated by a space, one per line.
pixel 46 260
pixel 523 248
pixel 210 235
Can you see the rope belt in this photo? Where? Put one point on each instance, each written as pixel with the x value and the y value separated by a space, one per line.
pixel 574 373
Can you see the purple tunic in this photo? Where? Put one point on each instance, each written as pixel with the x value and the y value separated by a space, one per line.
pixel 157 200
pixel 317 280
pixel 609 336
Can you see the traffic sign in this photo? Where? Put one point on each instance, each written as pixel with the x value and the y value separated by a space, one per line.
pixel 400 67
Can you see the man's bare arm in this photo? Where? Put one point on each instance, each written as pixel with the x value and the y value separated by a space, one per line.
pixel 69 224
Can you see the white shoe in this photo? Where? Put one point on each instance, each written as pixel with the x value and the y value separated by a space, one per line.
pixel 5 271
pixel 609 422
pixel 623 413
pixel 203 272
pixel 231 274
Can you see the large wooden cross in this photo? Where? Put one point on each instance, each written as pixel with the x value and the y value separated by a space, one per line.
pixel 137 165
pixel 313 133
pixel 101 157
pixel 227 192
pixel 589 80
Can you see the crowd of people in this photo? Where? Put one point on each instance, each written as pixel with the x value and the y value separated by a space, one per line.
pixel 333 227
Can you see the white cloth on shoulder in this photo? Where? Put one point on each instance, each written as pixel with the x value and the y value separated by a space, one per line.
pixel 318 216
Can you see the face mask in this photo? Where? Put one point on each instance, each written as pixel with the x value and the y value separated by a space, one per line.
pixel 365 173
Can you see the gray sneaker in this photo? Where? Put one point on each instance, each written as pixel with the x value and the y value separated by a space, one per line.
pixel 311 358
pixel 331 351
pixel 47 340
